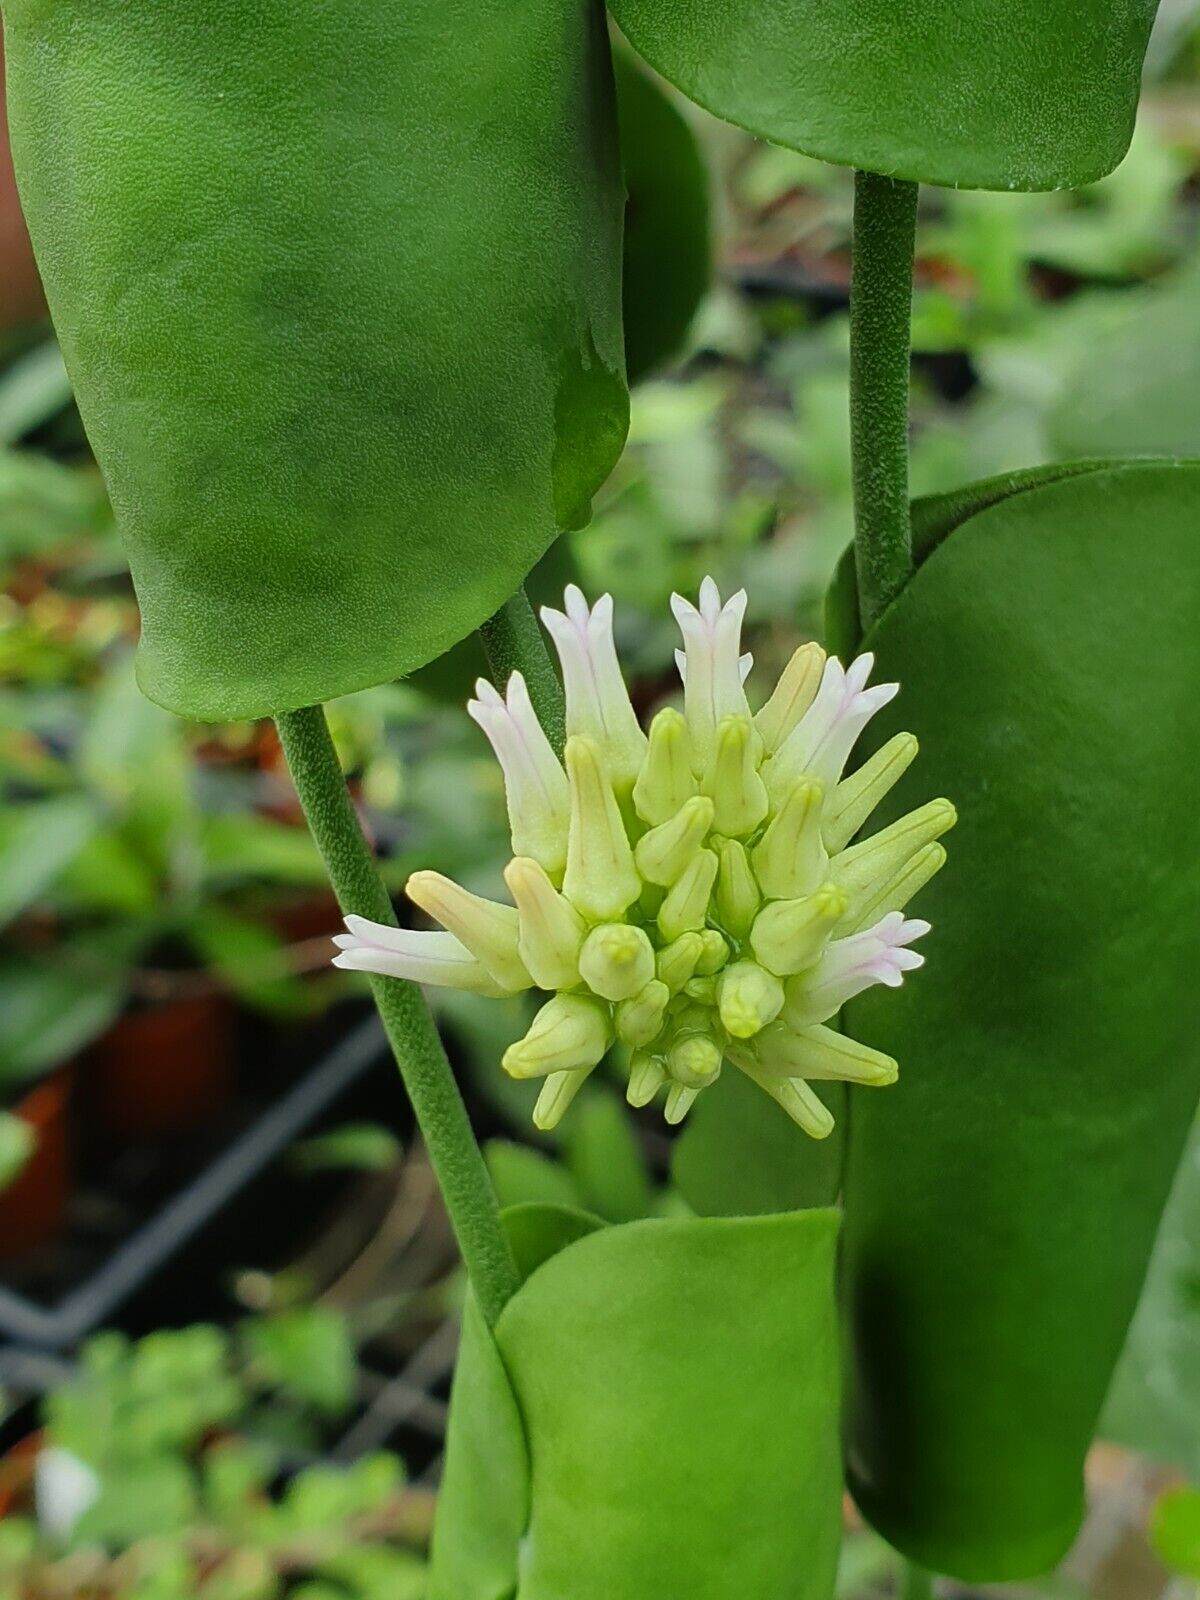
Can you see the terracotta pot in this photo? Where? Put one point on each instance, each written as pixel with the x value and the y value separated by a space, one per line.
pixel 33 1207
pixel 166 1068
pixel 22 300
pixel 309 916
pixel 16 1476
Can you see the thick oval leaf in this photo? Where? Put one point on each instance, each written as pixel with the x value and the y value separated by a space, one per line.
pixel 657 1415
pixel 1002 1201
pixel 339 291
pixel 1030 94
pixel 668 257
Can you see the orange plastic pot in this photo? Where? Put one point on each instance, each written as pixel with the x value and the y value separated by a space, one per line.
pixel 33 1207
pixel 165 1069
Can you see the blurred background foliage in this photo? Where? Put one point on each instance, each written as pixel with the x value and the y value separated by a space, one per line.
pixel 147 864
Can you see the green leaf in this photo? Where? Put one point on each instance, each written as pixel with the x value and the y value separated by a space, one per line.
pixel 354 1147
pixel 307 1351
pixel 523 1176
pixel 1138 392
pixel 50 1010
pixel 656 1415
pixel 38 841
pixel 602 1153
pixel 1032 94
pixel 348 362
pixel 667 250
pixel 249 958
pixel 1175 1531
pixel 741 1155
pixel 1153 1405
pixel 1002 1200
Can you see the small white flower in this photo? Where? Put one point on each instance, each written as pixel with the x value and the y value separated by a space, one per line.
pixel 878 955
pixel 696 895
pixel 711 664
pixel 822 741
pixel 598 705
pixel 434 957
pixel 535 784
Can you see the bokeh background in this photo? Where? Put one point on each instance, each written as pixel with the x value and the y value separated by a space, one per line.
pixel 225 1279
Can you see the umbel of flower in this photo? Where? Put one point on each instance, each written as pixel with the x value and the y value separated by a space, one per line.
pixel 691 892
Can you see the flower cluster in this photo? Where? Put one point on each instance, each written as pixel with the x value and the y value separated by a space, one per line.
pixel 693 891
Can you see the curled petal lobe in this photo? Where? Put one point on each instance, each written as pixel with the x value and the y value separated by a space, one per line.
pixel 598 705
pixel 535 784
pixel 712 669
pixel 435 958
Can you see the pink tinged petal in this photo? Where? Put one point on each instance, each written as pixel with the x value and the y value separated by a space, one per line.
pixel 712 666
pixel 598 705
pixel 535 784
pixel 434 957
pixel 821 742
pixel 878 955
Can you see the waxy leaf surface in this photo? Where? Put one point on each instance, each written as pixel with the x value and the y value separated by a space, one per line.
pixel 338 287
pixel 1028 94
pixel 1002 1200
pixel 656 1415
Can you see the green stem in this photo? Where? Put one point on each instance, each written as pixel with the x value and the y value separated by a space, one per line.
pixel 513 642
pixel 436 1101
pixel 885 219
pixel 915 1582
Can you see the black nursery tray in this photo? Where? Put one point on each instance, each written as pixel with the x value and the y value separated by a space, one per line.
pixel 148 1218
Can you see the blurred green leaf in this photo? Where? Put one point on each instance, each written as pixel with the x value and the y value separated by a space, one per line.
pixel 31 391
pixel 521 1175
pixel 38 840
pixel 1175 1531
pixel 602 1154
pixel 356 1147
pixel 17 1143
pixel 308 1351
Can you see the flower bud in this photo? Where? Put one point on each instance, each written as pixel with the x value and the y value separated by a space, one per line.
pixel 819 1053
pixel 748 998
pixel 663 853
pixel 559 1089
pixel 714 952
pixel 791 697
pixel 731 778
pixel 666 780
pixel 867 870
pixel 639 1020
pixel 489 931
pixel 854 799
pixel 738 896
pixel 617 961
pixel 848 966
pixel 601 880
pixel 790 859
pixel 900 887
pixel 646 1077
pixel 551 930
pixel 570 1033
pixel 789 935
pixel 676 962
pixel 686 906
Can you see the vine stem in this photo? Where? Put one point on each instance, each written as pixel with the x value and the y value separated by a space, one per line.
pixel 441 1115
pixel 513 642
pixel 885 221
